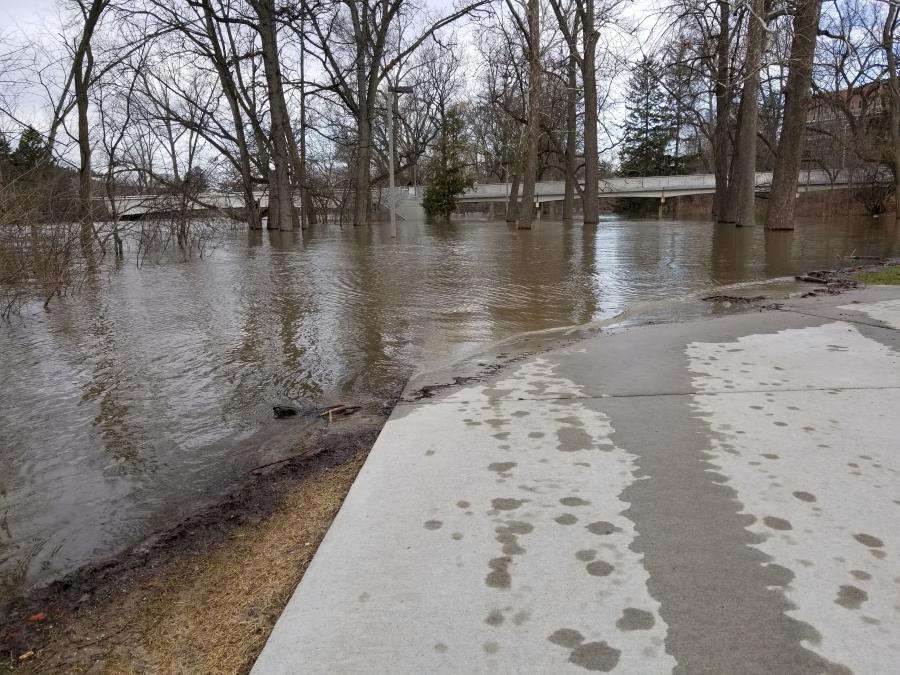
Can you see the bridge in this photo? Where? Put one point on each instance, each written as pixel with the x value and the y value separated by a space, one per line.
pixel 133 207
pixel 656 187
pixel 409 199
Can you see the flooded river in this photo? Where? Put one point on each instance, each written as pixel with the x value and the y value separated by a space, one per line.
pixel 140 397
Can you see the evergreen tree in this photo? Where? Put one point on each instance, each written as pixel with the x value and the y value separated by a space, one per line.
pixel 5 148
pixel 648 127
pixel 32 150
pixel 447 171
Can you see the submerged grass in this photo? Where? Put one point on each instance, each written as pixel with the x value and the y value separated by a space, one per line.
pixel 889 275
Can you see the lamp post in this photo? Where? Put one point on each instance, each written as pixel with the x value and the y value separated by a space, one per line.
pixel 395 91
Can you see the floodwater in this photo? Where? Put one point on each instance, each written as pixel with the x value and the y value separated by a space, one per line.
pixel 131 403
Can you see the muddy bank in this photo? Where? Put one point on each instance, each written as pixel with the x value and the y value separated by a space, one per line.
pixel 202 596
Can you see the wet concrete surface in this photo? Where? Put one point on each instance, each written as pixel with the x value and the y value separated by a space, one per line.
pixel 715 496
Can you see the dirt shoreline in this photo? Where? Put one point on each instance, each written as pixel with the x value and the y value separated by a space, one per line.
pixel 202 596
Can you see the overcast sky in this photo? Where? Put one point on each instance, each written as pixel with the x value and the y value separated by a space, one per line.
pixel 26 15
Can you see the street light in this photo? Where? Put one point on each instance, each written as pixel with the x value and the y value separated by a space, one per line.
pixel 395 91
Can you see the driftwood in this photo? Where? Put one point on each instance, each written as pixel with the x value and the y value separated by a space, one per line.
pixel 342 410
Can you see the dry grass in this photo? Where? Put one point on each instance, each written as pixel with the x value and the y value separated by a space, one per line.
pixel 213 615
pixel 211 612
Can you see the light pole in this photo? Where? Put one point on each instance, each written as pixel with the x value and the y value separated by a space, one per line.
pixel 395 92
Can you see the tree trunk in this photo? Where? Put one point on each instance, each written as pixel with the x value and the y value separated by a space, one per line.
pixel 893 85
pixel 229 88
pixel 742 192
pixel 281 207
pixel 85 192
pixel 530 162
pixel 307 215
pixel 568 207
pixel 363 161
pixel 82 66
pixel 780 213
pixel 590 203
pixel 512 202
pixel 721 140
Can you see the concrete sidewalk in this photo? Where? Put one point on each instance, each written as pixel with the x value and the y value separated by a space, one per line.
pixel 720 496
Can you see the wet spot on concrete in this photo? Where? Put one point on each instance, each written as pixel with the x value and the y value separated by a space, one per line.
pixel 599 568
pixel 499 576
pixel 777 523
pixel 520 617
pixel 502 436
pixel 495 618
pixel 566 519
pixel 536 434
pixel 566 637
pixel 573 439
pixel 862 575
pixel 490 647
pixel 507 535
pixel 570 420
pixel 433 524
pixel 501 467
pixel 573 501
pixel 586 555
pixel 506 503
pixel 769 455
pixel 457 536
pixel 429 453
pixel 868 540
pixel 363 597
pixel 595 656
pixel 585 464
pixel 778 575
pixel 521 413
pixel 635 619
pixel 804 496
pixel 780 424
pixel 440 648
pixel 602 527
pixel 463 504
pixel 851 597
pixel 756 407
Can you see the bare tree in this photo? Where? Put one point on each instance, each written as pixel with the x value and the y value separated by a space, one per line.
pixel 358 43
pixel 780 213
pixel 742 188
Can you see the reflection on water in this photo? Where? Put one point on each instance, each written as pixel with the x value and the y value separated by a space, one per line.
pixel 134 401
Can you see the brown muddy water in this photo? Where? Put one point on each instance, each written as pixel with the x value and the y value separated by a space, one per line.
pixel 131 403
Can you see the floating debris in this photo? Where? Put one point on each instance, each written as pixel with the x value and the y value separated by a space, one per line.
pixel 284 411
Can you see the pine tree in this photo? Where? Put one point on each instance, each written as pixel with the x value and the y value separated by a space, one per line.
pixel 5 148
pixel 32 150
pixel 447 172
pixel 648 127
